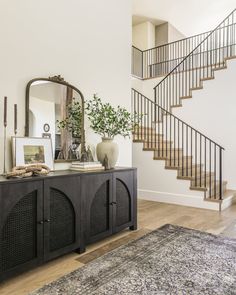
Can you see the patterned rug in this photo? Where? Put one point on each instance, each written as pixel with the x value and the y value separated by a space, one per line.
pixel 170 260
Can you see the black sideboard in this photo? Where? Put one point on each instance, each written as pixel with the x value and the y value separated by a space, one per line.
pixel 42 218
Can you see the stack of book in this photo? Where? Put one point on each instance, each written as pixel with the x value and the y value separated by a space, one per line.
pixel 86 166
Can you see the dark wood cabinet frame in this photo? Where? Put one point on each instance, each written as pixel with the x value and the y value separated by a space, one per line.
pixel 100 204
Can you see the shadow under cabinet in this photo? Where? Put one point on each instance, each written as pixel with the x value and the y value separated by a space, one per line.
pixel 43 218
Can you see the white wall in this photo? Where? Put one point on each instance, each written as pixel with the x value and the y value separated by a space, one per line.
pixel 212 111
pixel 143 35
pixel 167 33
pixel 87 42
pixel 190 17
pixel 161 34
pixel 174 34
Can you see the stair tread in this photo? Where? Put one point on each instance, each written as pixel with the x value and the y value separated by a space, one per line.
pixel 198 175
pixel 207 187
pixel 186 97
pixel 227 194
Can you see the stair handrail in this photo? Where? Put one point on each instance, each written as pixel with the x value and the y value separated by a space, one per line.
pixel 187 56
pixel 203 151
pixel 173 116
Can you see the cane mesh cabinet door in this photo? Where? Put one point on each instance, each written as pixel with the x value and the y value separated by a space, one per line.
pixel 21 230
pixel 61 216
pixel 124 200
pixel 96 206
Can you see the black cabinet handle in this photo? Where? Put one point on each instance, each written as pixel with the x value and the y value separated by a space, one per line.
pixel 40 222
pixel 47 220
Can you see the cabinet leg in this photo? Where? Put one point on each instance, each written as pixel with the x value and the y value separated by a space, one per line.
pixel 133 227
pixel 80 250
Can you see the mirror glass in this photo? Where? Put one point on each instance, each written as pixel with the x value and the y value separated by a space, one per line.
pixel 56 110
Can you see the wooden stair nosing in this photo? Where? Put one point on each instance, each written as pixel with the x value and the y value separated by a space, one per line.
pixel 196 88
pixel 192 178
pixel 186 97
pixel 207 188
pixel 176 105
pixel 207 78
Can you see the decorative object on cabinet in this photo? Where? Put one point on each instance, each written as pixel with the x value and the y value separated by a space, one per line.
pixel 28 171
pixel 27 151
pixel 109 122
pixel 107 149
pixel 15 127
pixel 106 163
pixel 5 112
pixel 61 105
pixel 90 154
pixel 60 213
pixel 86 166
pixel 5 134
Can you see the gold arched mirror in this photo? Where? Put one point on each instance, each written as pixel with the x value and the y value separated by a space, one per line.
pixel 55 109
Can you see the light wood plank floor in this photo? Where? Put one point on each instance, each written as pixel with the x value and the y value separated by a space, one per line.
pixel 151 215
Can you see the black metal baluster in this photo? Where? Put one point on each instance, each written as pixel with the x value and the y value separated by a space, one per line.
pixel 170 141
pixel 182 149
pixel 192 152
pixel 205 163
pixel 200 160
pixel 178 143
pixel 210 167
pixel 220 172
pixel 196 158
pixel 215 195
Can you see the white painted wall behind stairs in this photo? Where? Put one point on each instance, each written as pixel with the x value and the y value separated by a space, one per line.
pixel 212 111
pixel 143 35
pixel 87 42
pixel 159 184
pixel 146 86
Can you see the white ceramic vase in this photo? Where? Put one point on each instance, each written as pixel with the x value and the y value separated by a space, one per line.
pixel 109 148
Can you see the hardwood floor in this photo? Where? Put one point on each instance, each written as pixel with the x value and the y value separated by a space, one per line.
pixel 151 215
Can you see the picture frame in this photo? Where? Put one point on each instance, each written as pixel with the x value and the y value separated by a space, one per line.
pixel 32 150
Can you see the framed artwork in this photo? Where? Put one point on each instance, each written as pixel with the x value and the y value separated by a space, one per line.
pixel 32 150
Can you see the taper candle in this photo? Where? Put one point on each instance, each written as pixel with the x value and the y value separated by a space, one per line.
pixel 5 112
pixel 15 118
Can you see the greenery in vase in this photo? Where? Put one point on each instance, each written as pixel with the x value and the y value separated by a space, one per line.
pixel 73 121
pixel 108 121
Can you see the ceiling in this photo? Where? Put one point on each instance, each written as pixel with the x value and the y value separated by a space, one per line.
pixel 188 16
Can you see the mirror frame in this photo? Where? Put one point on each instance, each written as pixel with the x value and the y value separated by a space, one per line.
pixel 59 80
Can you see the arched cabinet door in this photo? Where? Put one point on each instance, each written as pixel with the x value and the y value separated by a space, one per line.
pixel 124 200
pixel 96 206
pixel 21 233
pixel 61 216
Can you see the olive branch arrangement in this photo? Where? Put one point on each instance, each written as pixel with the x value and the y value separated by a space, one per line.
pixel 108 121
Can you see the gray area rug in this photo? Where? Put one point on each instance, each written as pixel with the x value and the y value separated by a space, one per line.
pixel 169 260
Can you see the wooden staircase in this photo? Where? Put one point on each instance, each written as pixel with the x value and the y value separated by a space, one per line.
pixel 195 157
pixel 199 179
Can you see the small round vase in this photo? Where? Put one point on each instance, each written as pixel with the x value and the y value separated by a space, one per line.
pixel 109 148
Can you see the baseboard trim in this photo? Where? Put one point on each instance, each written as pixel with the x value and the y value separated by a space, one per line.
pixel 184 200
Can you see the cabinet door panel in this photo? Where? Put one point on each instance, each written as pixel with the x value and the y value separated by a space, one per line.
pixel 61 215
pixel 21 234
pixel 123 203
pixel 97 207
pixel 123 198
